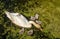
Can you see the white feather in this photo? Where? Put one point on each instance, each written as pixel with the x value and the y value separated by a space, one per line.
pixel 19 20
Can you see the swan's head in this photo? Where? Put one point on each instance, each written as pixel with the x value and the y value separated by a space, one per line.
pixel 36 25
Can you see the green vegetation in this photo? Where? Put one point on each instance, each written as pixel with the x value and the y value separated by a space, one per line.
pixel 49 11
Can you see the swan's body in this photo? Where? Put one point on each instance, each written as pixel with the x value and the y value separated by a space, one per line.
pixel 20 20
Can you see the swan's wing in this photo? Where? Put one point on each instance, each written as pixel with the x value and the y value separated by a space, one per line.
pixel 23 21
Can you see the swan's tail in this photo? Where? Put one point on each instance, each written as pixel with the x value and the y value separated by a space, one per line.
pixel 8 14
pixel 36 25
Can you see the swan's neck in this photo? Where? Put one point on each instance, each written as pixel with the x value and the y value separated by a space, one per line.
pixel 35 24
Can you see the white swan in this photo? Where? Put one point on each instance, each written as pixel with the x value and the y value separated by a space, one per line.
pixel 21 21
